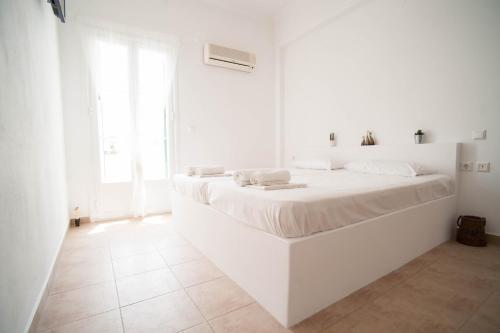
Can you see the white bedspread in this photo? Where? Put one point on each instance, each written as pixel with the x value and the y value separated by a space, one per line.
pixel 196 188
pixel 332 199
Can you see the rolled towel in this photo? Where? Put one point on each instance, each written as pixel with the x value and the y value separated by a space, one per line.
pixel 242 177
pixel 204 170
pixel 190 170
pixel 274 177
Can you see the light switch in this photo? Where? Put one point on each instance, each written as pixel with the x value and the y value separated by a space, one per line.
pixel 483 166
pixel 479 135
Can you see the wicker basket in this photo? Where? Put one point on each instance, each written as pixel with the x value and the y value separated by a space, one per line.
pixel 470 230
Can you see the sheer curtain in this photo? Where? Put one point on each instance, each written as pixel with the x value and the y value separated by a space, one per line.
pixel 131 74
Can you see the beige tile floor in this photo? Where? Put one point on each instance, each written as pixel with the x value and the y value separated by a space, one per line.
pixel 141 276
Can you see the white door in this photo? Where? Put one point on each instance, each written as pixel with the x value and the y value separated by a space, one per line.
pixel 132 131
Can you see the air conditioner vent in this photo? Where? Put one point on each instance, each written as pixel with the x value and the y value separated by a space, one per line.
pixel 221 56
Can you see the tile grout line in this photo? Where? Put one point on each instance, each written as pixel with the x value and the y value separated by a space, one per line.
pixel 75 321
pixel 381 294
pixel 198 308
pixel 193 285
pixel 82 287
pixel 180 263
pixel 190 327
pixel 236 309
pixel 80 319
pixel 150 298
pixel 116 290
pixel 88 316
pixel 139 273
pixel 189 296
pixel 190 261
pixel 476 310
pixel 200 283
pixel 131 255
pixel 415 274
pixel 423 269
pixel 184 288
pixel 169 266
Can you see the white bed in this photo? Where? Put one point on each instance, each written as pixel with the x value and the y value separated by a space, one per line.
pixel 294 278
pixel 331 200
pixel 194 187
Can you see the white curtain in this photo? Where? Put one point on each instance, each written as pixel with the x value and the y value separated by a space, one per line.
pixel 99 37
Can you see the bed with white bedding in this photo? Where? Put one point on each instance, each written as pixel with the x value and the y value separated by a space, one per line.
pixel 331 200
pixel 297 251
pixel 196 188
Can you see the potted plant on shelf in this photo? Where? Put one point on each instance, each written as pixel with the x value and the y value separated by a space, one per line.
pixel 419 136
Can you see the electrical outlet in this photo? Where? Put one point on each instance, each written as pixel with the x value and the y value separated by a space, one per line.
pixel 483 166
pixel 466 166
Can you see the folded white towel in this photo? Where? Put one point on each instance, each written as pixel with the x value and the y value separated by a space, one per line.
pixel 204 170
pixel 271 177
pixel 288 186
pixel 242 177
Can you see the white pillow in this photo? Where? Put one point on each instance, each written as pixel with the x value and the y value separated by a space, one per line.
pixel 317 164
pixel 386 167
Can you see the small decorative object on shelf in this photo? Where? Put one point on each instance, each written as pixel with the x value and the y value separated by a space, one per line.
pixel 419 137
pixel 368 139
pixel 371 139
pixel 332 139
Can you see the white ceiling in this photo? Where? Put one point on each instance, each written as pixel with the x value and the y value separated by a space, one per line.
pixel 264 9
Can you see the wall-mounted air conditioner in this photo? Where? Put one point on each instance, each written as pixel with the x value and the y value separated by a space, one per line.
pixel 221 56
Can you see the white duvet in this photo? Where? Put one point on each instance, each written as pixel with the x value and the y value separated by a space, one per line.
pixel 195 188
pixel 332 199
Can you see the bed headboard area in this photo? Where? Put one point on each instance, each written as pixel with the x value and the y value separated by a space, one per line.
pixel 438 157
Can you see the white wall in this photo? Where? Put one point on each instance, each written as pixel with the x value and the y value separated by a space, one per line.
pixel 301 17
pixel 394 66
pixel 231 113
pixel 33 214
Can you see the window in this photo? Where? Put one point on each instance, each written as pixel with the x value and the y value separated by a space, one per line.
pixel 153 116
pixel 132 111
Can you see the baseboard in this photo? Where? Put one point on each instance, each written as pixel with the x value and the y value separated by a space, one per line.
pixel 35 317
pixel 129 217
pixel 493 239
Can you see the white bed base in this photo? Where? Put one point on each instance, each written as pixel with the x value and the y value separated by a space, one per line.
pixel 296 277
